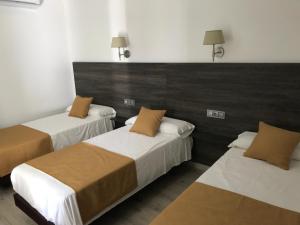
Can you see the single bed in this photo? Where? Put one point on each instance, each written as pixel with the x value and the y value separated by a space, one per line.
pixel 65 130
pixel 49 201
pixel 252 182
pixel 32 139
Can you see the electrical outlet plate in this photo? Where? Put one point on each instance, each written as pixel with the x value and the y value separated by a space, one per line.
pixel 129 102
pixel 215 114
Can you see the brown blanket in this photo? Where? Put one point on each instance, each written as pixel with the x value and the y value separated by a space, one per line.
pixel 98 177
pixel 206 205
pixel 19 144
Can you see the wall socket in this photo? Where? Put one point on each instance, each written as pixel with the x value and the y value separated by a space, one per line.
pixel 215 114
pixel 129 102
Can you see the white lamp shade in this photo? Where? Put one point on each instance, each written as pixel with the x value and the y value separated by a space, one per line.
pixel 119 42
pixel 213 37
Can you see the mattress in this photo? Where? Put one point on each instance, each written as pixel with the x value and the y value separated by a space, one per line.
pixel 65 130
pixel 154 156
pixel 256 179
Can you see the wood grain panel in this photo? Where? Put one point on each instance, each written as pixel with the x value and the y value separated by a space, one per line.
pixel 247 92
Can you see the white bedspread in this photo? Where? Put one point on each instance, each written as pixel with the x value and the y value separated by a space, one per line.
pixel 56 201
pixel 256 179
pixel 65 130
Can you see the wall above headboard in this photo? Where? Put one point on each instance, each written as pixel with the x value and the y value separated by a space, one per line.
pixel 247 93
pixel 255 31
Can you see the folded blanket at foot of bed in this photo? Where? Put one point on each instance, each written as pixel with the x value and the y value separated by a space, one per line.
pixel 98 177
pixel 202 204
pixel 19 144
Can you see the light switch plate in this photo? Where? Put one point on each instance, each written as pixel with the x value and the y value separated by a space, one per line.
pixel 215 114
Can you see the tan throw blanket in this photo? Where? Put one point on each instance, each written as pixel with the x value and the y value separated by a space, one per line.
pixel 201 204
pixel 99 177
pixel 19 144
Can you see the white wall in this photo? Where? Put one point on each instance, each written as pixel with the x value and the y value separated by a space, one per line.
pixel 35 67
pixel 172 30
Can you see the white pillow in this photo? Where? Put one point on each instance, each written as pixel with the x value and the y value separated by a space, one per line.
pixel 130 121
pixel 99 110
pixel 246 138
pixel 170 126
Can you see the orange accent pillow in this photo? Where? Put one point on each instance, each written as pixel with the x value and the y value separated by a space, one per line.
pixel 80 107
pixel 274 145
pixel 148 121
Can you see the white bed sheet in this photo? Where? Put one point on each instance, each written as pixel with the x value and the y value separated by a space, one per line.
pixel 65 130
pixel 256 179
pixel 153 157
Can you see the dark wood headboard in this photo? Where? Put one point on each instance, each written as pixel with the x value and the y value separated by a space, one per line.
pixel 247 92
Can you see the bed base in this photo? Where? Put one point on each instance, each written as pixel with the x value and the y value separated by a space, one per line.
pixel 22 204
pixel 5 181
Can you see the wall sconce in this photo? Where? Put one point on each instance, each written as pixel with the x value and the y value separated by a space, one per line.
pixel 121 42
pixel 212 38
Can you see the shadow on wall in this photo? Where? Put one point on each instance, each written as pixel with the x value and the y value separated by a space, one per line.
pixel 35 3
pixel 168 31
pixel 173 31
pixel 35 76
pixel 118 24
